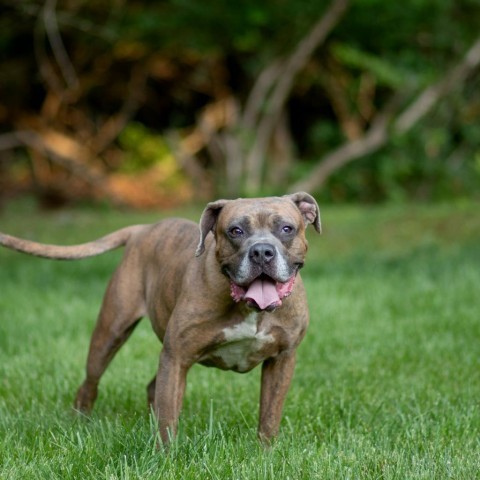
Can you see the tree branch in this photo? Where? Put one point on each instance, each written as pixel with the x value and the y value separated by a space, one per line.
pixel 375 138
pixel 432 94
pixel 31 139
pixel 10 140
pixel 47 73
pixel 296 62
pixel 58 48
pixel 34 140
pixel 259 93
pixel 378 134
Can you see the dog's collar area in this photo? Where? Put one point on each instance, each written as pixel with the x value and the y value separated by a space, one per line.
pixel 263 293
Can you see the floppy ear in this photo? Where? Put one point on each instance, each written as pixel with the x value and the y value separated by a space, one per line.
pixel 208 221
pixel 308 208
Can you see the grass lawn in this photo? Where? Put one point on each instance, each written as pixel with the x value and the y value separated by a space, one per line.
pixel 387 384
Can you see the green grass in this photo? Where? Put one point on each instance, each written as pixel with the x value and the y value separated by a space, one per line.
pixel 386 387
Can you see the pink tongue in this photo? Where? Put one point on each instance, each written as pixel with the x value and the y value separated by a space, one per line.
pixel 263 293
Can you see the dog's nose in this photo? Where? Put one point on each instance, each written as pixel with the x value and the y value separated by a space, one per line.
pixel 262 253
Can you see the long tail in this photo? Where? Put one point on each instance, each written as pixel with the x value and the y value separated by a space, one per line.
pixel 73 252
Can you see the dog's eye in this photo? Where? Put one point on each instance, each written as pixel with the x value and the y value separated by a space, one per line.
pixel 235 232
pixel 287 229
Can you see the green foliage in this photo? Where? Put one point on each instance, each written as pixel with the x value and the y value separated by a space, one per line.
pixel 193 53
pixel 385 73
pixel 439 161
pixel 144 149
pixel 386 384
pixel 218 27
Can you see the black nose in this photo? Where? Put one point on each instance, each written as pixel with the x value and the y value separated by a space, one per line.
pixel 262 253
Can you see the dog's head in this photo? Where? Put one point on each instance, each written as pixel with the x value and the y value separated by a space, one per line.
pixel 260 244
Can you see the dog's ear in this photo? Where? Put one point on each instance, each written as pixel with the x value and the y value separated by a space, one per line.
pixel 208 221
pixel 308 208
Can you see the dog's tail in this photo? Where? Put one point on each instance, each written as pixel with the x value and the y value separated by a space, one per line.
pixel 73 252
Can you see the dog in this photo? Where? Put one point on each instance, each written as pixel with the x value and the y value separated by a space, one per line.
pixel 225 294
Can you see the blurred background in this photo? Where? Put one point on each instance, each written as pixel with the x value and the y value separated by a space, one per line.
pixel 161 103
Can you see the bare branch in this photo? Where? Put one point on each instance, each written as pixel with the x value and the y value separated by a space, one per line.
pixel 44 66
pixel 34 140
pixel 188 162
pixel 58 48
pixel 279 96
pixel 258 95
pixel 376 137
pixel 65 18
pixel 432 94
pixel 303 52
pixel 10 140
pixel 31 139
pixel 378 134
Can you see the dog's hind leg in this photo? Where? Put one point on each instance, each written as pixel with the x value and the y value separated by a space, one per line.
pixel 151 391
pixel 120 313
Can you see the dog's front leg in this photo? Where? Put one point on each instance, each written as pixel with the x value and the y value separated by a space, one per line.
pixel 277 374
pixel 169 390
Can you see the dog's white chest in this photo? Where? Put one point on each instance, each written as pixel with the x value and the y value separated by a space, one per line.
pixel 244 345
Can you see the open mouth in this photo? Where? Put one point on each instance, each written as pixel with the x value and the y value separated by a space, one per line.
pixel 263 293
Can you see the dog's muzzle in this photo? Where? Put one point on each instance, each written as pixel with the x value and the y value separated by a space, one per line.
pixel 267 288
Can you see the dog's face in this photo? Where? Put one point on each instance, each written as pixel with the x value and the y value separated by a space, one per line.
pixel 260 244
